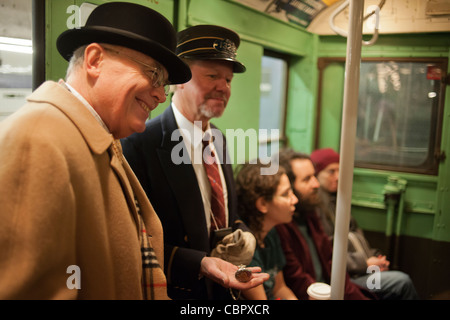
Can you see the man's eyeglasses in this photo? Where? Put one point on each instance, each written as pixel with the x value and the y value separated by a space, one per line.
pixel 155 74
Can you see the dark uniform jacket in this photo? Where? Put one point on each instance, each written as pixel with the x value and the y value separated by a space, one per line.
pixel 174 192
pixel 299 271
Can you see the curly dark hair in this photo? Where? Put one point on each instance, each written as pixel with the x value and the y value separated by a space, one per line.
pixel 251 185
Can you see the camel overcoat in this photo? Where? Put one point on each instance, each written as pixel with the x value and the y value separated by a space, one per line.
pixel 68 220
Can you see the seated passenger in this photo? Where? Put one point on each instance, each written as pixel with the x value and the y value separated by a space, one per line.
pixel 264 202
pixel 306 246
pixel 394 284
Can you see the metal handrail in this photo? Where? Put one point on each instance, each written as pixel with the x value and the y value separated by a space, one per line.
pixel 344 33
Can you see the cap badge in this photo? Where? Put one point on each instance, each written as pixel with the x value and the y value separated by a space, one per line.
pixel 225 46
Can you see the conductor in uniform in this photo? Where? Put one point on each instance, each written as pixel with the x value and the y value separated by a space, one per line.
pixel 195 201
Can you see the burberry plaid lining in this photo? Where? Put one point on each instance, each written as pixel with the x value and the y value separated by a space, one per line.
pixel 149 260
pixel 150 264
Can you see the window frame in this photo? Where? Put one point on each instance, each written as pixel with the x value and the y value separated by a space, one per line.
pixel 435 155
pixel 282 139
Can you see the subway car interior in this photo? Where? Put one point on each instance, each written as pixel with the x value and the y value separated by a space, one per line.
pixel 299 91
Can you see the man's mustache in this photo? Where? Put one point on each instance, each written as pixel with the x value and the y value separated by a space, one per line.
pixel 217 96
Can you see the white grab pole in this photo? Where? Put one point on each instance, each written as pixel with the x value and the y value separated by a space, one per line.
pixel 347 150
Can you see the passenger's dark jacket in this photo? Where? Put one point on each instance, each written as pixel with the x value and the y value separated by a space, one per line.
pixel 176 198
pixel 359 249
pixel 299 270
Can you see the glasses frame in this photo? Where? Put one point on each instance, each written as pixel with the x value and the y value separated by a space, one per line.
pixel 155 74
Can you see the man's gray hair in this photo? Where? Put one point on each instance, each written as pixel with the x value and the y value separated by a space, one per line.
pixel 76 60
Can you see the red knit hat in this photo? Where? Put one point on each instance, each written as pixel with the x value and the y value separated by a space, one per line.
pixel 323 157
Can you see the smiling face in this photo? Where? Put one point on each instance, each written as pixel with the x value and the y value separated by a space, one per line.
pixel 206 95
pixel 125 93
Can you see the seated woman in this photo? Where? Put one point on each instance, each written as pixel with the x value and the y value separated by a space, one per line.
pixel 264 202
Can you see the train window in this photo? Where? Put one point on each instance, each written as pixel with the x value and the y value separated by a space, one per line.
pixel 399 114
pixel 15 56
pixel 400 110
pixel 272 114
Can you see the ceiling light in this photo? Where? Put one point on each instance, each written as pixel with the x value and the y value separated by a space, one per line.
pixel 16 45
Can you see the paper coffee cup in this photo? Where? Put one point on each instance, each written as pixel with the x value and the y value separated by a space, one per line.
pixel 319 291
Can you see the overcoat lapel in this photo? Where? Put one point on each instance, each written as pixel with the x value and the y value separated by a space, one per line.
pixel 97 138
pixel 117 166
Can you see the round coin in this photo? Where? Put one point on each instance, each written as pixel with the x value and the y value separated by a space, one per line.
pixel 243 274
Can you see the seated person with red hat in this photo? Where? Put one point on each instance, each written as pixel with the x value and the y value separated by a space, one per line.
pixel 393 284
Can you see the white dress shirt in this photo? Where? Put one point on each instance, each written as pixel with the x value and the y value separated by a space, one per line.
pixel 193 136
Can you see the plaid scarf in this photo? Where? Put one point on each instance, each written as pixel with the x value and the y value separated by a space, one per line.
pixel 150 263
pixel 154 284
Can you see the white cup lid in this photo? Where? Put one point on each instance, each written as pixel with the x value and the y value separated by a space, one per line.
pixel 319 291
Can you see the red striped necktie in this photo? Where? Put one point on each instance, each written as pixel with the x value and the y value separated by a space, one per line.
pixel 217 201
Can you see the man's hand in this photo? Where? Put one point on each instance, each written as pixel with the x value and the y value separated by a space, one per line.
pixel 223 272
pixel 379 261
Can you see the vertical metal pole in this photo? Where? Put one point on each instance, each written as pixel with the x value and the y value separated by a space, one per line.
pixel 347 149
pixel 38 37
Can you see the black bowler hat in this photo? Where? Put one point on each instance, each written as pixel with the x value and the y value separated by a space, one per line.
pixel 209 42
pixel 132 26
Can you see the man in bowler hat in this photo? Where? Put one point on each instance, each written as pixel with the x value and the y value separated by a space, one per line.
pixel 195 210
pixel 75 222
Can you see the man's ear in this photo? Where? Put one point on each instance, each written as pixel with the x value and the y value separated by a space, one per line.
pixel 93 57
pixel 261 205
